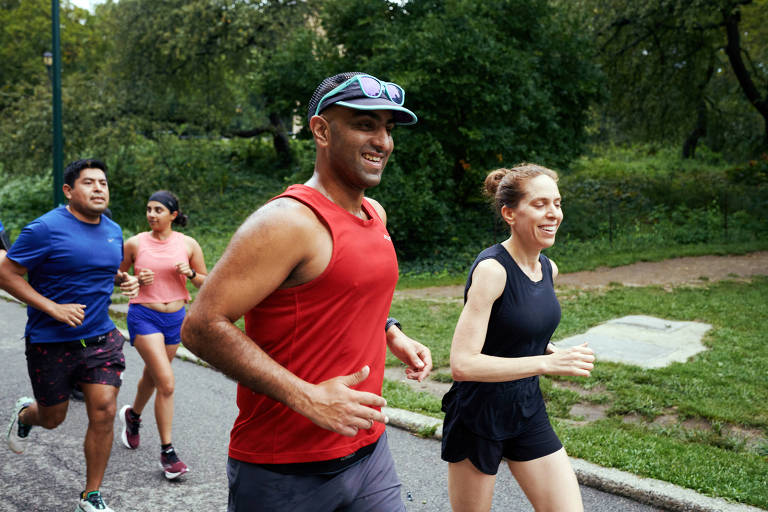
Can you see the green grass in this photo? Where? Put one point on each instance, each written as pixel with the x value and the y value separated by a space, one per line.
pixel 401 396
pixel 723 388
pixel 699 466
pixel 430 322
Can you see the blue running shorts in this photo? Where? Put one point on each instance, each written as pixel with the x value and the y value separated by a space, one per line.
pixel 142 320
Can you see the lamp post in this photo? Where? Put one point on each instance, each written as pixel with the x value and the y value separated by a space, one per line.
pixel 52 63
pixel 48 61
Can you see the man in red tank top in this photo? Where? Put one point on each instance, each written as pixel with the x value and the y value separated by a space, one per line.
pixel 313 272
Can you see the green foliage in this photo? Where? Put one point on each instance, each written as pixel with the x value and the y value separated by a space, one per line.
pixel 670 76
pixel 492 83
pixel 22 198
pixel 25 34
pixel 219 183
pixel 622 204
pixel 207 65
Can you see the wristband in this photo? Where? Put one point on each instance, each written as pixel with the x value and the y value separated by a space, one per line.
pixel 392 321
pixel 194 274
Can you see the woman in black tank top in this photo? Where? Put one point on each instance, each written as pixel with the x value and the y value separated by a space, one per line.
pixel 495 409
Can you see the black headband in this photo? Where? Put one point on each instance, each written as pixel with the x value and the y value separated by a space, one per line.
pixel 166 199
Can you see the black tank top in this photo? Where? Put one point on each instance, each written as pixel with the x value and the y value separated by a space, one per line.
pixel 521 324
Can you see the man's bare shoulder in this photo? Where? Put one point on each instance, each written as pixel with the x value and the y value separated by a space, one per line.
pixel 379 209
pixel 284 211
pixel 281 219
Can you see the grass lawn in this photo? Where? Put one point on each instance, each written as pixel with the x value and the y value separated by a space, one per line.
pixel 701 424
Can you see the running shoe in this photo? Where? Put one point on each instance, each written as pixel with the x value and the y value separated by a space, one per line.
pixel 131 426
pixel 172 466
pixel 92 502
pixel 17 434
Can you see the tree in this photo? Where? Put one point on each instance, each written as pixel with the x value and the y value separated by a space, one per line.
pixel 493 83
pixel 197 63
pixel 25 33
pixel 496 81
pixel 662 60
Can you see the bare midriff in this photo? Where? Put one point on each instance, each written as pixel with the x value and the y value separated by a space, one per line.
pixel 165 307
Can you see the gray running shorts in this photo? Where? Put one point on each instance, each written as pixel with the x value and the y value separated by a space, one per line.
pixel 370 485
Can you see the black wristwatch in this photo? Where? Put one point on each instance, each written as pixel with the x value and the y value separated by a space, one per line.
pixel 194 274
pixel 392 321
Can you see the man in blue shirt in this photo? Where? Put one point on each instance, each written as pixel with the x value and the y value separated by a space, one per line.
pixel 71 257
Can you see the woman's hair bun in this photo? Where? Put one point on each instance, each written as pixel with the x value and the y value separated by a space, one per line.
pixel 492 181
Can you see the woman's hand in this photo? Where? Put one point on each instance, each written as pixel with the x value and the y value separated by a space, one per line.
pixel 575 361
pixel 184 269
pixel 146 277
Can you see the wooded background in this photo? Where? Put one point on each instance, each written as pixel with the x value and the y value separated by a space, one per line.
pixel 205 96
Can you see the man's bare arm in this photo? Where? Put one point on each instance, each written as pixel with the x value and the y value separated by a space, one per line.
pixel 272 247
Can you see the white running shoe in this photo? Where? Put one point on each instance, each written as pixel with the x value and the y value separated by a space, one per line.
pixel 17 435
pixel 92 503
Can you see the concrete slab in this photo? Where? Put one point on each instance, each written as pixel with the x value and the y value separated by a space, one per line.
pixel 643 341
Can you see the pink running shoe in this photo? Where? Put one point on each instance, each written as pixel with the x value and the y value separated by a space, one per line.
pixel 131 426
pixel 172 466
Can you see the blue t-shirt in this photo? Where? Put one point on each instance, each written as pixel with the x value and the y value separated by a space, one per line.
pixel 69 262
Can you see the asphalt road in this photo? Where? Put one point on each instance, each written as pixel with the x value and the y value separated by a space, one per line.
pixel 50 474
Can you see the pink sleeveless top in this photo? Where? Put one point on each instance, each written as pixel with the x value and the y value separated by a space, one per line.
pixel 161 257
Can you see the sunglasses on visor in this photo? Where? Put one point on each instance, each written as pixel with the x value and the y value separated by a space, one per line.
pixel 371 87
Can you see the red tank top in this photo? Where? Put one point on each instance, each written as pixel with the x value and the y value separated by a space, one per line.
pixel 328 327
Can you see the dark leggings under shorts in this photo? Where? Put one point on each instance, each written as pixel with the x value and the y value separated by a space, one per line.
pixel 54 368
pixel 536 440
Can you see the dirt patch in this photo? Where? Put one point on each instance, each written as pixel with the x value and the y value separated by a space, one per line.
pixel 677 271
pixel 673 272
pixel 752 437
pixel 666 420
pixel 588 412
pixel 697 424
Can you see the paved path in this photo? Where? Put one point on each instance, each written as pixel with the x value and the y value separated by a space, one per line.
pixel 51 473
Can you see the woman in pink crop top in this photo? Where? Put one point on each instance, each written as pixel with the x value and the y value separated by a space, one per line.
pixel 163 260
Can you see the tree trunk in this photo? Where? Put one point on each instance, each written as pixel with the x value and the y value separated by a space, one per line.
pixel 280 139
pixel 700 130
pixel 733 50
pixel 689 146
